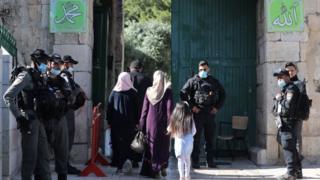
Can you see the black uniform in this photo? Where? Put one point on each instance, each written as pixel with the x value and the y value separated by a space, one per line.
pixel 285 111
pixel 35 153
pixel 57 128
pixel 206 94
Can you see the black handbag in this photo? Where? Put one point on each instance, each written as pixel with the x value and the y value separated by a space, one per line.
pixel 139 142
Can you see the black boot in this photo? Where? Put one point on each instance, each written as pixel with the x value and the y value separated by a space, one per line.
pixel 73 170
pixel 62 177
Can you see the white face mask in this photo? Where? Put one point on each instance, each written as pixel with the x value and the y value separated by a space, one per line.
pixel 281 83
pixel 70 69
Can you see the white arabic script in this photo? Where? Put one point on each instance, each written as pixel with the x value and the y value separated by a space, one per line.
pixel 70 12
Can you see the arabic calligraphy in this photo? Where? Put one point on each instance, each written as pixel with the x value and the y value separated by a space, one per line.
pixel 288 17
pixel 70 11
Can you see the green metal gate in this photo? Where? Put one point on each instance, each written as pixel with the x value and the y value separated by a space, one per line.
pixel 224 33
pixel 100 54
pixel 9 43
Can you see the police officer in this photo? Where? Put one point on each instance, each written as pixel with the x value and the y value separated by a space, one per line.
pixel 67 69
pixel 35 153
pixel 293 70
pixel 205 95
pixel 56 127
pixel 284 111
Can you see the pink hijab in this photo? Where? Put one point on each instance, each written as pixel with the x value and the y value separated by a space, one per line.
pixel 124 83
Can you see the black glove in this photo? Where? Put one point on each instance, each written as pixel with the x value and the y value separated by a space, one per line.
pixel 24 124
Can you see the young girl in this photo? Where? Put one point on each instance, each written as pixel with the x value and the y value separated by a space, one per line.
pixel 182 129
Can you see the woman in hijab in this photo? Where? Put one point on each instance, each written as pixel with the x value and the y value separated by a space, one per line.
pixel 122 116
pixel 155 115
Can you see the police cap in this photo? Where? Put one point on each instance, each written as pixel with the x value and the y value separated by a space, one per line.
pixel 39 56
pixel 280 72
pixel 69 59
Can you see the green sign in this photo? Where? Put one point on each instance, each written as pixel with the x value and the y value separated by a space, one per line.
pixel 285 15
pixel 7 41
pixel 68 15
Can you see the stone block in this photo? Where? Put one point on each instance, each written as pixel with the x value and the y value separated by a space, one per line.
pixel 282 51
pixel 11 163
pixel 303 51
pixel 262 53
pixel 258 155
pixel 83 123
pixel 90 10
pixel 272 150
pixel 45 2
pixel 79 153
pixel 273 36
pixel 11 141
pixel 310 7
pixel 314 22
pixel 34 2
pixel 87 37
pixel 82 53
pixel 296 36
pixel 311 148
pixel 45 19
pixel 66 38
pixel 35 14
pixel 84 80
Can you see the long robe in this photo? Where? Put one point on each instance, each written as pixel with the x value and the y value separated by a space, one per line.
pixel 154 121
pixel 122 116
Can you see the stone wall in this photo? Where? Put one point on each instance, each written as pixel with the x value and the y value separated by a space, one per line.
pixel 1 131
pixel 273 51
pixel 28 22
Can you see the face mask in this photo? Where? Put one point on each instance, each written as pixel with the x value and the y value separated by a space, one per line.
pixel 281 83
pixel 55 72
pixel 203 74
pixel 42 68
pixel 70 69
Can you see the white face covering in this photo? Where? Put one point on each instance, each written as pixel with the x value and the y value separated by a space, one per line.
pixel 70 69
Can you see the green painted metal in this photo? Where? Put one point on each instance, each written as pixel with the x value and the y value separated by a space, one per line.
pixel 8 41
pixel 100 54
pixel 224 33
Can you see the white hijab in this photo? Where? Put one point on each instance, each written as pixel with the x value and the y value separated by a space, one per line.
pixel 156 92
pixel 124 83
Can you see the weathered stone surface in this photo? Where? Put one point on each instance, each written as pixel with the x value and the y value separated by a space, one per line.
pixel 45 19
pixel 35 14
pixel 34 2
pixel 66 38
pixel 314 22
pixel 79 153
pixel 87 37
pixel 11 163
pixel 272 150
pixel 282 51
pixel 296 36
pixel 312 148
pixel 274 36
pixel 258 155
pixel 310 6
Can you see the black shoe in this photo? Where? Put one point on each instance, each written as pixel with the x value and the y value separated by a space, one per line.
pixel 73 170
pixel 196 165
pixel 299 174
pixel 135 164
pixel 212 165
pixel 62 177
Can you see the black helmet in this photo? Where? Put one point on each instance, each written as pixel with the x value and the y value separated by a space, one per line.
pixel 39 56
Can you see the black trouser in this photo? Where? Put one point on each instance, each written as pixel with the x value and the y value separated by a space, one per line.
pixel 204 122
pixel 288 140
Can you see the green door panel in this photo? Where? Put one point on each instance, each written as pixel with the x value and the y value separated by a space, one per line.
pixel 224 33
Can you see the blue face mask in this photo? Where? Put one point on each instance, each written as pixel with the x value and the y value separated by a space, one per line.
pixel 42 68
pixel 203 74
pixel 55 72
pixel 281 83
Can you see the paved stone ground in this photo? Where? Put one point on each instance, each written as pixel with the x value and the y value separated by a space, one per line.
pixel 237 169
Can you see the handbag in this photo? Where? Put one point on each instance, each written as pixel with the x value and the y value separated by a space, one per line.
pixel 139 142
